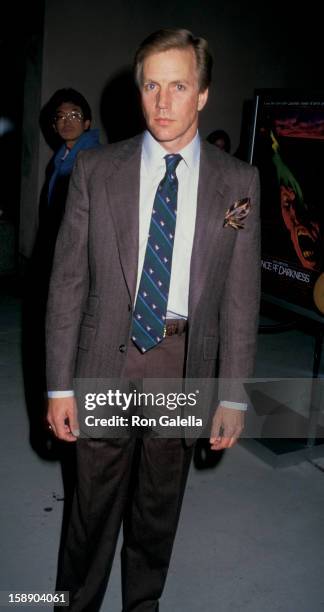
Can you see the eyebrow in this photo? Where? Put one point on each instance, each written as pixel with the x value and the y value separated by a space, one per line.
pixel 175 82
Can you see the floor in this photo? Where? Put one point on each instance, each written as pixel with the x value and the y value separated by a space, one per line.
pixel 251 534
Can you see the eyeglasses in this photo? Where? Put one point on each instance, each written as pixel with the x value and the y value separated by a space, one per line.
pixel 68 116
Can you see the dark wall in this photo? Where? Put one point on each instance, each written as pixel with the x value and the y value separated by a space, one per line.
pixel 20 26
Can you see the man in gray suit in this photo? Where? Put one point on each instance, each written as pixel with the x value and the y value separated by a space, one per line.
pixel 134 209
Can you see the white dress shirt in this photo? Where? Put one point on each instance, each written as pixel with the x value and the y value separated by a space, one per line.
pixel 153 169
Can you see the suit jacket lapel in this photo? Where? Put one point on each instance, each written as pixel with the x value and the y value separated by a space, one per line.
pixel 212 190
pixel 123 187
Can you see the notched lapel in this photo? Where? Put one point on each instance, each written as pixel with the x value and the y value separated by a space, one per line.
pixel 212 192
pixel 123 187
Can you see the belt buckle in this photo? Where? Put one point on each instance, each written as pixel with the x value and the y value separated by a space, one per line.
pixel 172 329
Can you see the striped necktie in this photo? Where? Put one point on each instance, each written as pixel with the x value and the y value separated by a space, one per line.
pixel 149 317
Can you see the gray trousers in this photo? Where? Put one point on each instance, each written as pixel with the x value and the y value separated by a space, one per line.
pixel 137 482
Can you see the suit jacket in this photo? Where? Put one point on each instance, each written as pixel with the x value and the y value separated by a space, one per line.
pixel 94 274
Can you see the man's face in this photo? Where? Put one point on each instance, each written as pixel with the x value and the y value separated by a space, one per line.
pixel 69 123
pixel 220 143
pixel 170 97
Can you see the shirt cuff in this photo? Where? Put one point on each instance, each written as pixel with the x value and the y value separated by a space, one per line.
pixel 68 393
pixel 234 405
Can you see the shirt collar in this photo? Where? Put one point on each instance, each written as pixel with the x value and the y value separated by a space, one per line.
pixel 153 153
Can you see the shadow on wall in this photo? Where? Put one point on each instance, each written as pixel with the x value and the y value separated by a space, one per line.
pixel 244 148
pixel 120 107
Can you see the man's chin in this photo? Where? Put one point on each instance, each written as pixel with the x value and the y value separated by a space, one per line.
pixel 162 133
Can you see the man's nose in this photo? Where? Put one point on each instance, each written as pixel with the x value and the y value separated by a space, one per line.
pixel 163 99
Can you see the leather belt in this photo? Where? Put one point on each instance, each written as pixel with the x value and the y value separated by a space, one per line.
pixel 175 326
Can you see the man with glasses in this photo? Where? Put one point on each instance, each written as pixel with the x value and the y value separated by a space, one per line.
pixel 71 121
pixel 66 121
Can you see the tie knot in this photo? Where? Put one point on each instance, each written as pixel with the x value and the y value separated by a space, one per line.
pixel 172 160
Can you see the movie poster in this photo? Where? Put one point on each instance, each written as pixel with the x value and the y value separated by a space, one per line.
pixel 288 149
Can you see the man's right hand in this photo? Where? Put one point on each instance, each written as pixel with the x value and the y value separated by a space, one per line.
pixel 62 418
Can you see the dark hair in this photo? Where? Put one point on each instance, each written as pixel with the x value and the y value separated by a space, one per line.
pixel 220 135
pixel 69 95
pixel 166 39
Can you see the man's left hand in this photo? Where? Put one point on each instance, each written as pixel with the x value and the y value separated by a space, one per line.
pixel 227 426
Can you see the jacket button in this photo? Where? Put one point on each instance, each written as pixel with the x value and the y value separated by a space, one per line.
pixel 122 348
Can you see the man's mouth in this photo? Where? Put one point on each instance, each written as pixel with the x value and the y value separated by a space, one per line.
pixel 163 120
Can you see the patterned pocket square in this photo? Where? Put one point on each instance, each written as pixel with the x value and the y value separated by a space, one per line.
pixel 237 213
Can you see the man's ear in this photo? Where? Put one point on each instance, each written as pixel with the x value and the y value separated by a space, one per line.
pixel 202 99
pixel 87 124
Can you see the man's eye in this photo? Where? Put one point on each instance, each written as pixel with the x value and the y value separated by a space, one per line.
pixel 180 87
pixel 149 86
